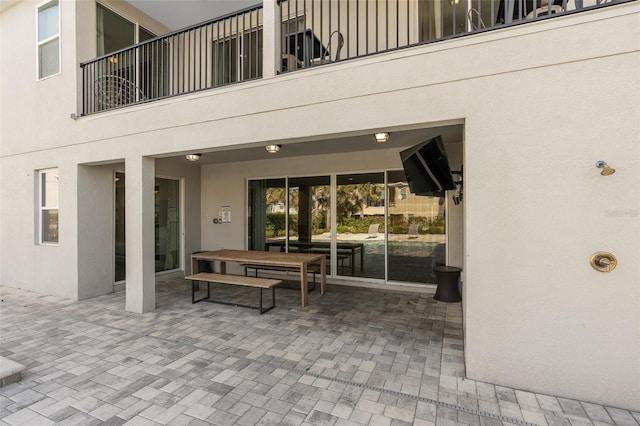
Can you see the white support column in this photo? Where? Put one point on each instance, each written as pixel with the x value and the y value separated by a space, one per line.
pixel 271 38
pixel 140 276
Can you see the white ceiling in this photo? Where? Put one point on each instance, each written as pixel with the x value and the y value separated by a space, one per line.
pixel 177 14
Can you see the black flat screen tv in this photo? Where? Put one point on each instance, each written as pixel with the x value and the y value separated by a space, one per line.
pixel 427 168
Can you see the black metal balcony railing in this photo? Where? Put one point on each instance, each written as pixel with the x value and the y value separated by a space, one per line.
pixel 314 32
pixel 218 52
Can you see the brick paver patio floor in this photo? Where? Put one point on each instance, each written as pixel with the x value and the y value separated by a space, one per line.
pixel 354 356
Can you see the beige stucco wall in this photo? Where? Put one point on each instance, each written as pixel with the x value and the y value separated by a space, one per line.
pixel 540 104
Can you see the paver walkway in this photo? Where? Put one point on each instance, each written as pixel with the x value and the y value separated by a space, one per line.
pixel 354 356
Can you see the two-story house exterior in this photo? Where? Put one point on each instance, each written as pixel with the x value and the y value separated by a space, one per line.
pixel 533 106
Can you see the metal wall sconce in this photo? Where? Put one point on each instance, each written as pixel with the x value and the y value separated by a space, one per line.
pixel 606 169
pixel 192 157
pixel 381 137
pixel 273 149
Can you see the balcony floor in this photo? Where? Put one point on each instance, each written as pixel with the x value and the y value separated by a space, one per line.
pixel 353 356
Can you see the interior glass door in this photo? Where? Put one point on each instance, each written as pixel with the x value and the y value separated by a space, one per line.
pixel 415 232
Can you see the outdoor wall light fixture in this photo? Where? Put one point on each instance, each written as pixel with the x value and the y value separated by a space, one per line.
pixel 192 157
pixel 381 137
pixel 606 169
pixel 273 149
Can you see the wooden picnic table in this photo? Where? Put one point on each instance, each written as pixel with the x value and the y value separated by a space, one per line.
pixel 299 261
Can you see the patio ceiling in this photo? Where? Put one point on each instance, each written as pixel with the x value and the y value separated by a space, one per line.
pixel 177 14
pixel 399 139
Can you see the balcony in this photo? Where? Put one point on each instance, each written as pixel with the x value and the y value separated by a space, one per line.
pixel 230 49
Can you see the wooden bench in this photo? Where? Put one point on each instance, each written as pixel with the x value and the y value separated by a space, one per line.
pixel 312 268
pixel 260 283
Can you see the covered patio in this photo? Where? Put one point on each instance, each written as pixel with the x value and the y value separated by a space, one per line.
pixel 353 356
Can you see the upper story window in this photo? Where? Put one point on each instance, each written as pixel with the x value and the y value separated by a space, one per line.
pixel 48 39
pixel 48 195
pixel 116 32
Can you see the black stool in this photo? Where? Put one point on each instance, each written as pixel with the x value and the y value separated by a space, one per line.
pixel 447 278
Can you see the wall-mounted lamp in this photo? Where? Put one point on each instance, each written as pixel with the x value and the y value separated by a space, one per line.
pixel 606 169
pixel 192 157
pixel 273 149
pixel 381 137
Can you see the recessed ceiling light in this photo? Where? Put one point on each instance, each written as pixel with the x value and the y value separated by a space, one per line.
pixel 192 157
pixel 381 137
pixel 273 149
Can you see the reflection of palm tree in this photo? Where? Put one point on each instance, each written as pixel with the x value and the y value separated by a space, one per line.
pixel 279 196
pixel 353 198
pixel 276 196
pixel 322 203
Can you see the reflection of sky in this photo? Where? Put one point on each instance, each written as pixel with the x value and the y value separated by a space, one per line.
pixel 50 189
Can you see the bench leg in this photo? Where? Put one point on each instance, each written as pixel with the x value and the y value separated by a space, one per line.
pixel 195 285
pixel 273 301
pixel 260 306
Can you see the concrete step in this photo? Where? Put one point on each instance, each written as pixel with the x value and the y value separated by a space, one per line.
pixel 9 371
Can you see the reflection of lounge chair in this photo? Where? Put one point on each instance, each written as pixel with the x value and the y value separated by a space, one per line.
pixel 413 231
pixel 373 230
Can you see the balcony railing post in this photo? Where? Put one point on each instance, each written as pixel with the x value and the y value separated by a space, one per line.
pixel 271 29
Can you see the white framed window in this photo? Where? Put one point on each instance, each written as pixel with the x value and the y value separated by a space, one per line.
pixel 48 195
pixel 48 36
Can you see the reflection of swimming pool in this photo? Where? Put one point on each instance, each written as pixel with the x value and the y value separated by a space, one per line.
pixel 399 248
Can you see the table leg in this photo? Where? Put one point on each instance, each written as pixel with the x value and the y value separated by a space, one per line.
pixel 195 285
pixel 323 274
pixel 223 267
pixel 353 261
pixel 304 287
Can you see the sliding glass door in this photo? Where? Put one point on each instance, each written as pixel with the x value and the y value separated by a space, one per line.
pixel 382 231
pixel 415 232
pixel 360 225
pixel 267 214
pixel 310 214
pixel 166 225
pixel 119 227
